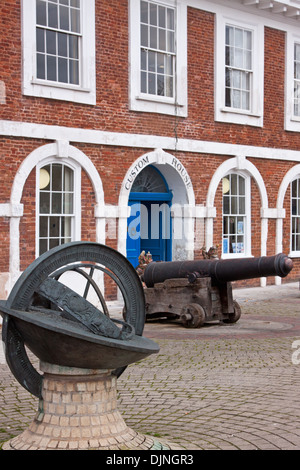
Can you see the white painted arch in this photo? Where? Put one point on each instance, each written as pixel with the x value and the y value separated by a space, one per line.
pixel 179 183
pixel 292 174
pixel 239 164
pixel 60 150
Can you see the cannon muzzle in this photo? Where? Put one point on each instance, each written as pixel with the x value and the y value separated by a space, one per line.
pixel 219 270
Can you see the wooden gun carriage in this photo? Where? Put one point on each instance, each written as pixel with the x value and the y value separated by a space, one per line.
pixel 195 292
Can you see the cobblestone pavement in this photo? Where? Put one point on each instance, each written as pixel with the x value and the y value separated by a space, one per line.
pixel 217 387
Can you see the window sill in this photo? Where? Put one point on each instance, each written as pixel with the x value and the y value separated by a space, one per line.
pixel 156 104
pixel 235 255
pixel 294 254
pixel 240 111
pixel 64 86
pixel 60 91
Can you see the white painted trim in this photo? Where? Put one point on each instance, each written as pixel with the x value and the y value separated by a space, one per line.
pixel 76 219
pixel 239 164
pixel 118 139
pixel 37 157
pixel 292 174
pixel 138 101
pixel 292 123
pixel 254 117
pixel 183 194
pixel 86 92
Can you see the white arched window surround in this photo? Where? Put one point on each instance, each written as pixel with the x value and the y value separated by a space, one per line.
pixel 76 222
pixel 60 149
pixel 247 217
pixel 290 176
pixel 242 165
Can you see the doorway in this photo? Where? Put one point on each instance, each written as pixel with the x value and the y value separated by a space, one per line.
pixel 149 227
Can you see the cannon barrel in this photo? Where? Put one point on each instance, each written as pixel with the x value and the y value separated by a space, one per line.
pixel 219 270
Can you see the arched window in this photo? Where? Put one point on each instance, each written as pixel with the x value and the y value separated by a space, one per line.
pixel 236 202
pixel 56 206
pixel 295 215
pixel 149 181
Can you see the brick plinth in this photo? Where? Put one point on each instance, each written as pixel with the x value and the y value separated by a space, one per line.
pixel 79 411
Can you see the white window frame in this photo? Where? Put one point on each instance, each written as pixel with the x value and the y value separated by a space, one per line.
pixel 76 223
pixel 247 216
pixel 292 122
pixel 176 106
pixel 293 253
pixel 84 93
pixel 253 117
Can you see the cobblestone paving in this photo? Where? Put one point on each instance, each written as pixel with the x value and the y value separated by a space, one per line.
pixel 218 387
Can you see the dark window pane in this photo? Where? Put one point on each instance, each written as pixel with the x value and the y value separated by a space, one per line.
pixel 73 47
pixel 151 84
pixel 51 42
pixel 68 204
pixel 52 15
pixel 56 203
pixel 43 246
pixel 162 17
pixel 62 44
pixel 41 15
pixel 41 66
pixel 143 82
pixel 44 203
pixel 160 85
pixel 63 70
pixel 68 179
pixel 64 18
pixel 54 226
pixel 40 40
pixel 57 177
pixel 44 227
pixel 153 14
pixel 75 20
pixel 74 72
pixel 144 12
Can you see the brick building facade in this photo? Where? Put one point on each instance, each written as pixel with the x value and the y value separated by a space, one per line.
pixel 184 111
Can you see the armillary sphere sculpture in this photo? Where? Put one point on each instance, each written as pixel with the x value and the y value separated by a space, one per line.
pixel 57 310
pixel 64 328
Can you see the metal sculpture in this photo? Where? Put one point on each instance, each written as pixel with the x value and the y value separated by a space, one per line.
pixel 46 315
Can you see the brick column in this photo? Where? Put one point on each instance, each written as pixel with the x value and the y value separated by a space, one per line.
pixel 79 411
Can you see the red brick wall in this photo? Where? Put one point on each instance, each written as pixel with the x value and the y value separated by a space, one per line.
pixel 112 114
pixel 112 111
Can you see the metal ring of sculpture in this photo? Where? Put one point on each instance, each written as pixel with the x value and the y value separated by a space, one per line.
pixel 37 289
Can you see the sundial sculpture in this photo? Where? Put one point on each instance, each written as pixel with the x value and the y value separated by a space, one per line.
pixel 76 342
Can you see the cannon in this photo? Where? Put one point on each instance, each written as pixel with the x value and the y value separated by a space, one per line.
pixel 199 291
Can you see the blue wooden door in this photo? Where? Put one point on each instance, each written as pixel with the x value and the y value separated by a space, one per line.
pixel 133 234
pixel 149 225
pixel 155 236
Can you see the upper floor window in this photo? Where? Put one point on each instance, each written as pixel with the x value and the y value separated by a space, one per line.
pixel 158 50
pixel 292 82
pixel 58 40
pixel 59 49
pixel 158 55
pixel 236 233
pixel 297 79
pixel 239 75
pixel 238 68
pixel 295 215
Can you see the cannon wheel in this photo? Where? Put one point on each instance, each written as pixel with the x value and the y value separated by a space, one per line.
pixel 236 315
pixel 85 258
pixel 193 316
